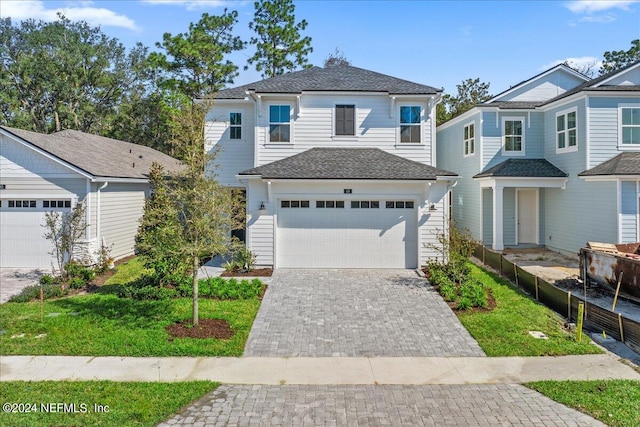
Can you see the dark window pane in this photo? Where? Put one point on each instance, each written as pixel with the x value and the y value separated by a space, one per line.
pixel 330 203
pixel 235 132
pixel 12 204
pixel 389 205
pixel 364 205
pixel 355 205
pixel 400 205
pixel 285 204
pixel 408 205
pixel 304 204
pixel 571 120
pixel 45 204
pixel 340 204
pixel 295 203
pixel 235 118
pixel 320 204
pixel 67 203
pixel 375 204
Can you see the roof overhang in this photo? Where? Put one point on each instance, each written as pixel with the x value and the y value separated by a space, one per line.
pixel 522 182
pixel 600 178
pixel 343 180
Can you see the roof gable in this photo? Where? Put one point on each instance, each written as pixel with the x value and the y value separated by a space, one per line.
pixel 544 86
pixel 626 76
pixel 94 155
pixel 339 78
pixel 347 163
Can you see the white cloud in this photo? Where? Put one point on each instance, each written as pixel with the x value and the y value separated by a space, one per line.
pixel 81 11
pixel 579 63
pixel 601 19
pixel 194 4
pixel 591 6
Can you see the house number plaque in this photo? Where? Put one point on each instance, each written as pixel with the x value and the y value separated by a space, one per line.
pixel 348 191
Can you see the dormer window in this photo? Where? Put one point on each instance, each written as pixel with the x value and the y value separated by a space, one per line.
pixel 345 120
pixel 279 123
pixel 410 124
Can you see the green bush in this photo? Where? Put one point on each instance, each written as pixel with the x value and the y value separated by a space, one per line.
pixel 47 279
pixel 242 260
pixel 74 270
pixel 76 283
pixel 146 288
pixel 33 292
pixel 219 288
pixel 475 292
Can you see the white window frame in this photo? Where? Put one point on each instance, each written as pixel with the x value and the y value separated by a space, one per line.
pixel 567 148
pixel 241 125
pixel 418 125
pixel 506 152
pixel 269 122
pixel 469 141
pixel 621 146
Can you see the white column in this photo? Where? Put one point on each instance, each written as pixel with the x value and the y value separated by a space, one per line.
pixel 498 243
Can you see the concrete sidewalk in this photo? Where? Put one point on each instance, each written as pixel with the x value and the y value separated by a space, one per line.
pixel 317 371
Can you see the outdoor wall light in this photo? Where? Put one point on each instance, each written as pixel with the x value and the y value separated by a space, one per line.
pixel 262 208
pixel 432 207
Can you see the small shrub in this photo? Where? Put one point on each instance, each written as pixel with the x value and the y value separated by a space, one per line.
pixel 47 279
pixel 475 292
pixel 464 304
pixel 33 292
pixel 146 288
pixel 74 270
pixel 76 283
pixel 220 288
pixel 242 260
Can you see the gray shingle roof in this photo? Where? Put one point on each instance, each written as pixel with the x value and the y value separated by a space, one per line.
pixel 622 164
pixel 523 168
pixel 339 78
pixel 347 163
pixel 97 155
pixel 516 105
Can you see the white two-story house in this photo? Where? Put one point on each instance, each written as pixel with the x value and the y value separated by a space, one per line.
pixel 338 165
pixel 553 161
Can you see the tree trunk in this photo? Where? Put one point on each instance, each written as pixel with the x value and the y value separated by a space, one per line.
pixel 195 290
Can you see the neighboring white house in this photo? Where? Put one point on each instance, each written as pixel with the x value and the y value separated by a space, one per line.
pixel 553 161
pixel 40 173
pixel 338 165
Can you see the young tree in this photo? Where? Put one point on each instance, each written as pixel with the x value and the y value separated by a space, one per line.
pixel 64 231
pixel 616 59
pixel 336 58
pixel 279 45
pixel 191 215
pixel 195 62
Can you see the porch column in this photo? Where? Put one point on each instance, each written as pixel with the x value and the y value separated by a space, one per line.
pixel 498 243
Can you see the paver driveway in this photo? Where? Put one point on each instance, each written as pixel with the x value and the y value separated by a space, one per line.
pixel 356 313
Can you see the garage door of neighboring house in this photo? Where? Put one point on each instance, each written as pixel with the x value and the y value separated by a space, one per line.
pixel 371 233
pixel 22 244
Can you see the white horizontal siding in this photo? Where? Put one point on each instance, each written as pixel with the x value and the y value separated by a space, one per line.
pixel 260 226
pixel 432 224
pixel 18 160
pixel 628 212
pixel 543 88
pixel 121 207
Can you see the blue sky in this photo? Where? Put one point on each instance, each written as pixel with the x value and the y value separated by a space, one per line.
pixel 439 43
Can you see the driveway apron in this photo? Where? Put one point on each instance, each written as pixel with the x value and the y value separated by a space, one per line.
pixel 349 313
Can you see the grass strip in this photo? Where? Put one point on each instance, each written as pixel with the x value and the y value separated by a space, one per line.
pixel 504 331
pixel 96 403
pixel 614 402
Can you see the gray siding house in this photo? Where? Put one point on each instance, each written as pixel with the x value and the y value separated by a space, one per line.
pixel 41 173
pixel 553 161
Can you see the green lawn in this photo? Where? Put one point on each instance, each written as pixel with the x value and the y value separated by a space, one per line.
pixel 120 404
pixel 504 331
pixel 101 324
pixel 614 402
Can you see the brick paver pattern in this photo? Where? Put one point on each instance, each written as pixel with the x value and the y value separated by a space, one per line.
pixel 377 405
pixel 350 313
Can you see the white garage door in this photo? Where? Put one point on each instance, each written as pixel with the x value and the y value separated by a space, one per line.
pixel 346 234
pixel 22 244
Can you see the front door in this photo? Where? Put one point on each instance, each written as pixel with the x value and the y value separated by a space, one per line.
pixel 527 216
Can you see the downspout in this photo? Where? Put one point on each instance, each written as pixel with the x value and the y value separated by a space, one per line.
pixel 434 125
pixel 98 209
pixel 87 211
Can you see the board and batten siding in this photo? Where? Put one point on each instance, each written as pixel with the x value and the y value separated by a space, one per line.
pixel 121 207
pixel 465 196
pixel 377 126
pixel 232 155
pixel 629 212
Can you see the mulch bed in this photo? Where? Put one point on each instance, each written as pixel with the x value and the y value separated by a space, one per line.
pixel 256 272
pixel 206 328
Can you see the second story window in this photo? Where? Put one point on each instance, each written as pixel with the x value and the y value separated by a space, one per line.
pixel 279 123
pixel 345 120
pixel 513 136
pixel 469 139
pixel 235 125
pixel 566 131
pixel 630 126
pixel 409 124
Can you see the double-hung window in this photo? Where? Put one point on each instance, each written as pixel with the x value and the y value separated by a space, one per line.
pixel 279 123
pixel 513 135
pixel 235 125
pixel 409 124
pixel 469 139
pixel 630 126
pixel 566 131
pixel 345 120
